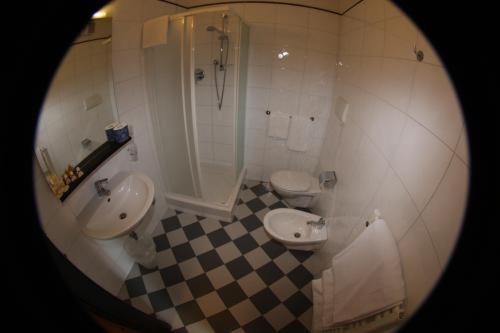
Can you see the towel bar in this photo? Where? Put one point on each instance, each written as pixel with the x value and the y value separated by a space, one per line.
pixel 268 112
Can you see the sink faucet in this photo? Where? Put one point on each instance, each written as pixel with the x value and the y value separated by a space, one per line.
pixel 319 223
pixel 99 186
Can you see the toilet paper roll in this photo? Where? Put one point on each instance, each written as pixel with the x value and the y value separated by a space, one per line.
pixel 110 133
pixel 121 132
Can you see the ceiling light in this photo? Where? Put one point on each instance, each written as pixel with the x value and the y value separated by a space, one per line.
pixel 99 14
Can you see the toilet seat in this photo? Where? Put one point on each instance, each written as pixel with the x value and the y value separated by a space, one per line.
pixel 293 181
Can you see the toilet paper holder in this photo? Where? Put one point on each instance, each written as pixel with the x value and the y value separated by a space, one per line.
pixel 328 179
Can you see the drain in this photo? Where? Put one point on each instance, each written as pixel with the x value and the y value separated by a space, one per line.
pixel 297 235
pixel 123 215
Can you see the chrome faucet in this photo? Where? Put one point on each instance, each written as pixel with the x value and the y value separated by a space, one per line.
pixel 101 190
pixel 321 222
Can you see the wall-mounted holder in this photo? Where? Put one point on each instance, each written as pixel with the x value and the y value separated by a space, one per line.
pixel 418 53
pixel 328 179
pixel 268 112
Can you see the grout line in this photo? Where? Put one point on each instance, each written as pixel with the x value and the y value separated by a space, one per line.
pixel 348 9
pixel 404 112
pixel 425 206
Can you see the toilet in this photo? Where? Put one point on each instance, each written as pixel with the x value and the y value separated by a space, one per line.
pixel 291 228
pixel 296 187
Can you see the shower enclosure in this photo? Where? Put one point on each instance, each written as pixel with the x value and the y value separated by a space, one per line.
pixel 196 85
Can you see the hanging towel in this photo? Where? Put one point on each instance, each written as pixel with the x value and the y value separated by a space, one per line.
pixel 328 301
pixel 278 125
pixel 317 291
pixel 299 134
pixel 367 274
pixel 154 32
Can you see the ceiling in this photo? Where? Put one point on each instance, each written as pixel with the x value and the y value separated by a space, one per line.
pixel 335 6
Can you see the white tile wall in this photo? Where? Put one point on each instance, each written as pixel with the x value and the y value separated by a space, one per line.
pixel 393 153
pixel 215 128
pixel 300 84
pixel 84 73
pixel 105 261
pixel 403 149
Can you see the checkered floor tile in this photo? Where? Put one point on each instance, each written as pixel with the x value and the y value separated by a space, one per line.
pixel 214 276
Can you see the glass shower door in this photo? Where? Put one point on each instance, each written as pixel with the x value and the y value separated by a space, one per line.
pixel 167 100
pixel 215 45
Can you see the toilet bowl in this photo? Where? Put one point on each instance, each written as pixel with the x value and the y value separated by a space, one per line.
pixel 297 188
pixel 290 227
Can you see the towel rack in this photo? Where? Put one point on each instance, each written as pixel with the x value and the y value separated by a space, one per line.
pixel 268 112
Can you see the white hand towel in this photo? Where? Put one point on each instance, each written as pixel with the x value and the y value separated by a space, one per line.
pixel 154 32
pixel 367 274
pixel 317 291
pixel 328 301
pixel 299 134
pixel 278 125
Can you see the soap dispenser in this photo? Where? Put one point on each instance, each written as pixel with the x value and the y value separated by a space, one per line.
pixel 132 151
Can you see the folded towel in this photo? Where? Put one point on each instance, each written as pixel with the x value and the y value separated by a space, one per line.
pixel 328 301
pixel 278 125
pixel 299 134
pixel 367 274
pixel 154 32
pixel 317 291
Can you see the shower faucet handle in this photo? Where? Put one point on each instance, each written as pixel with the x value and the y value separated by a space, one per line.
pixel 199 74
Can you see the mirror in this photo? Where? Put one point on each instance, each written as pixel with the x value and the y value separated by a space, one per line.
pixel 79 103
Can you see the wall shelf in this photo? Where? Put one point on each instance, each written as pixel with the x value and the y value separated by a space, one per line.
pixel 92 162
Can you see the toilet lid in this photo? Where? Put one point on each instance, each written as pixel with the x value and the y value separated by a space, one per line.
pixel 291 180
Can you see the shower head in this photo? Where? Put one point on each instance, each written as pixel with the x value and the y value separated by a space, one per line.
pixel 221 33
pixel 212 28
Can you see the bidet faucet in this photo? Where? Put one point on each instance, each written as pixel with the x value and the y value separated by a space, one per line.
pixel 321 222
pixel 101 190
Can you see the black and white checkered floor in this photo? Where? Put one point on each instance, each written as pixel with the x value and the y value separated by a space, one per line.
pixel 214 276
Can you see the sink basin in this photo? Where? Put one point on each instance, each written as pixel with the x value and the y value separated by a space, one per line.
pixel 119 213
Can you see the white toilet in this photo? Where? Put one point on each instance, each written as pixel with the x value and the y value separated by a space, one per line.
pixel 296 187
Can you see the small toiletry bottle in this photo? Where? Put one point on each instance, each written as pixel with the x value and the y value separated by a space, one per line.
pixel 79 172
pixel 132 151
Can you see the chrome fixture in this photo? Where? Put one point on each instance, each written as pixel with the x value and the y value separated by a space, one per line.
pixel 223 37
pixel 101 190
pixel 328 179
pixel 418 53
pixel 319 223
pixel 199 74
pixel 268 112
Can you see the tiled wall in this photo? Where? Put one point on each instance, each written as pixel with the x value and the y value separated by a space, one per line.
pixel 403 148
pixel 215 127
pixel 300 85
pixel 84 72
pixel 106 261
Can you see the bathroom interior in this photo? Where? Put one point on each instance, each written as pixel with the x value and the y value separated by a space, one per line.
pixel 211 164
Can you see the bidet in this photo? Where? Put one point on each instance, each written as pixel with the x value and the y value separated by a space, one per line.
pixel 297 230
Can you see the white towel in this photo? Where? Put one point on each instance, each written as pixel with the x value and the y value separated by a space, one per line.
pixel 154 32
pixel 278 125
pixel 299 134
pixel 328 301
pixel 317 291
pixel 367 274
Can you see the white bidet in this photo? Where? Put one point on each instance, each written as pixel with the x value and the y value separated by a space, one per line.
pixel 291 227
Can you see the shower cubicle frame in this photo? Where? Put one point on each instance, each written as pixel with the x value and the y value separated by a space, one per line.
pixel 196 204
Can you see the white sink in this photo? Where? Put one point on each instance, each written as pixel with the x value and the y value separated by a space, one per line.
pixel 108 217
